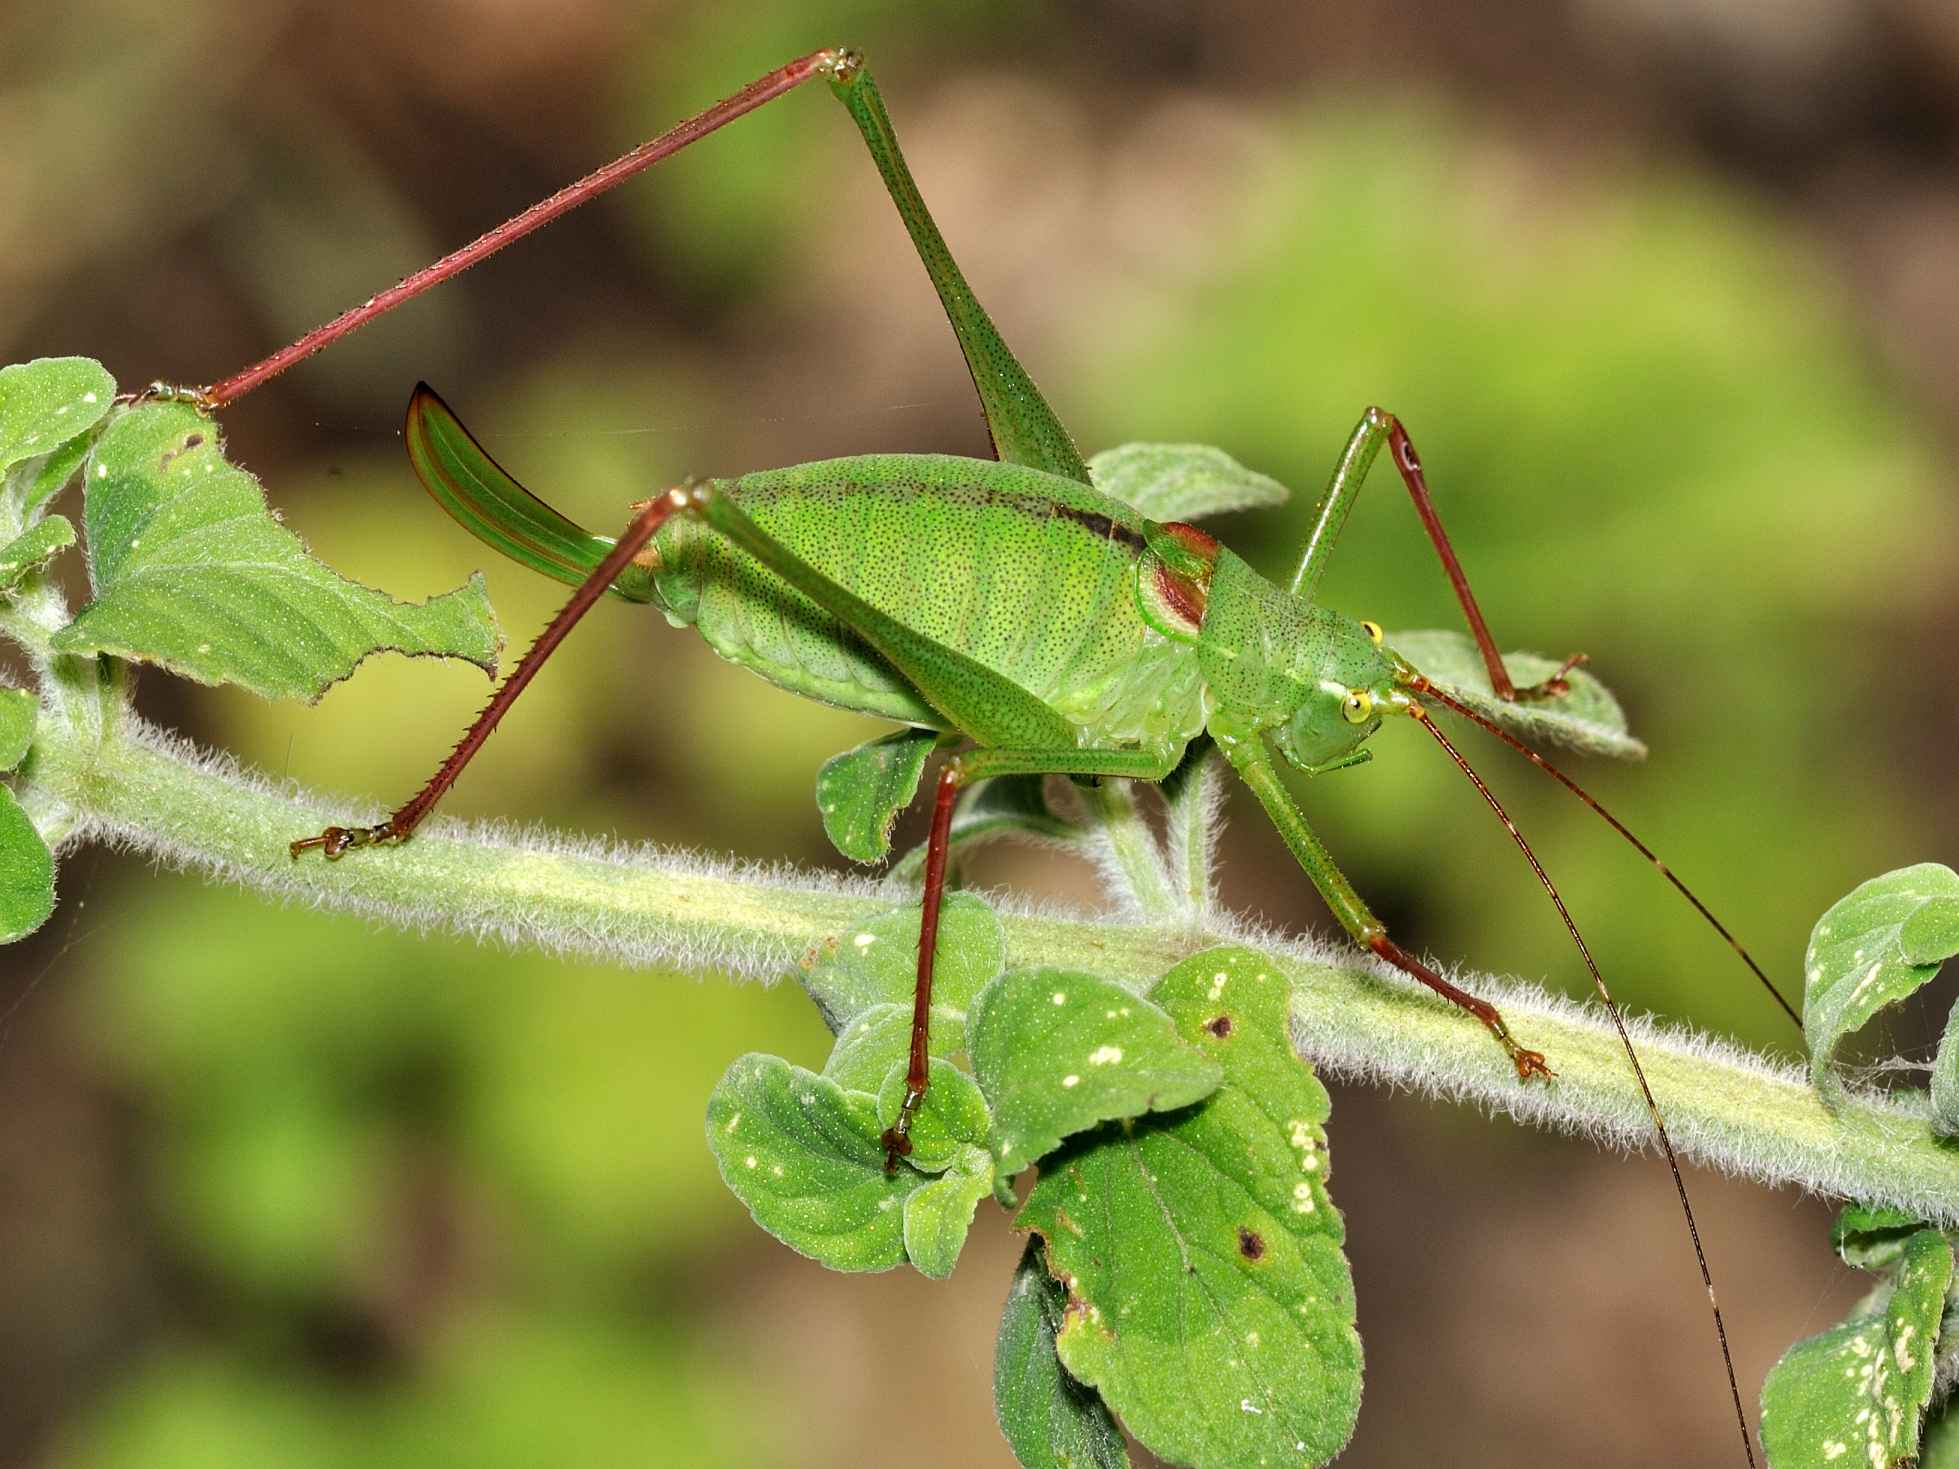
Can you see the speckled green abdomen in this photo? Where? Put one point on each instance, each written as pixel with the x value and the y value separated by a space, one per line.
pixel 1031 575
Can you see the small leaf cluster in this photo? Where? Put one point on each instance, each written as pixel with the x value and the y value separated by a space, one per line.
pixel 188 569
pixel 1185 1272
pixel 1877 1387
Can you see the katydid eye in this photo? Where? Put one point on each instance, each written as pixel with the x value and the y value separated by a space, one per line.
pixel 1358 707
pixel 1373 631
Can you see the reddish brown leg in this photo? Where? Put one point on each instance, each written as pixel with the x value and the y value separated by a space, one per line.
pixel 897 1137
pixel 338 839
pixel 1530 1064
pixel 1409 465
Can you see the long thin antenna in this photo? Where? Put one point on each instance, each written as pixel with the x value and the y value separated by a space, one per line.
pixel 1422 686
pixel 1625 1039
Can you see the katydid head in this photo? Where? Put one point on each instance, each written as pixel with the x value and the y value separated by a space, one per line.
pixel 1346 688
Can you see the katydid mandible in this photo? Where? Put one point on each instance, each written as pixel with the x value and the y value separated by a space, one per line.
pixel 1007 607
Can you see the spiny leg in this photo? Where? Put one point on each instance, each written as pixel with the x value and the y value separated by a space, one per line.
pixel 1378 427
pixel 1245 749
pixel 961 771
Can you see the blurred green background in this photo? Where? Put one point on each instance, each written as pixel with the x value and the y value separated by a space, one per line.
pixel 1666 295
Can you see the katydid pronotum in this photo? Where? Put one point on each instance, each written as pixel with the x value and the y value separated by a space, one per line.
pixel 1007 606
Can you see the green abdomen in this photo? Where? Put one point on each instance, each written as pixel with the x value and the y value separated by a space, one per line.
pixel 1029 574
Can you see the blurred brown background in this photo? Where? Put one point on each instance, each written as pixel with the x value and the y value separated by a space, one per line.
pixel 1666 291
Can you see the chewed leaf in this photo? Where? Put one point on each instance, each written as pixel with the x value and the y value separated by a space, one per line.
pixel 1859 961
pixel 49 401
pixel 939 1215
pixel 877 963
pixel 26 873
pixel 1058 1052
pixel 1181 481
pixel 1050 1420
pixel 952 1117
pixel 192 571
pixel 1208 1298
pixel 861 791
pixel 33 550
pixel 1587 719
pixel 803 1154
pixel 19 711
pixel 1857 1394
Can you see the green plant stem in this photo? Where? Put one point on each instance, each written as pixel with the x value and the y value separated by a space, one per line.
pixel 137 788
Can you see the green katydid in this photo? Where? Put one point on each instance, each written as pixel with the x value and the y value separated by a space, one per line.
pixel 1008 606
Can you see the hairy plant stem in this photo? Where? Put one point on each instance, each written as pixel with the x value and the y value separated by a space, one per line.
pixel 135 787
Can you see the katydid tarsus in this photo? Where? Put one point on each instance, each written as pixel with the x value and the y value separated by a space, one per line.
pixel 1007 607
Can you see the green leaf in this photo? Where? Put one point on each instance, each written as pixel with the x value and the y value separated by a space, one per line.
pixel 877 964
pixel 952 1117
pixel 1057 1052
pixel 1858 962
pixel 1208 1299
pixel 26 873
pixel 939 1215
pixel 1007 805
pixel 31 483
pixel 1856 1394
pixel 192 572
pixel 1587 719
pixel 30 552
pixel 1050 1420
pixel 881 1036
pixel 47 402
pixel 1872 1236
pixel 861 791
pixel 1945 1079
pixel 18 712
pixel 1181 481
pixel 804 1155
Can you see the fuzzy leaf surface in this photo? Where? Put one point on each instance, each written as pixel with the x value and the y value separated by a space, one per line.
pixel 1857 1393
pixel 1057 1051
pixel 49 401
pixel 952 1117
pixel 1587 719
pixel 861 791
pixel 1181 481
pixel 880 1038
pixel 1860 959
pixel 804 1156
pixel 877 963
pixel 26 873
pixel 192 572
pixel 18 712
pixel 1050 1420
pixel 939 1214
pixel 33 549
pixel 1209 1300
pixel 31 483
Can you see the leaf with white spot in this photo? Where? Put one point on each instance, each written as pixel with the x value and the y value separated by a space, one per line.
pixel 192 572
pixel 1872 948
pixel 951 1117
pixel 877 962
pixel 1209 1301
pixel 1050 1420
pixel 880 1038
pixel 939 1215
pixel 49 402
pixel 860 792
pixel 1181 481
pixel 804 1155
pixel 1057 1052
pixel 1587 718
pixel 1856 1395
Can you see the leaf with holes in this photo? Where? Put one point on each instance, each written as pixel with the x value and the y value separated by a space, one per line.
pixel 1181 481
pixel 861 791
pixel 1587 719
pixel 877 962
pixel 1057 1052
pixel 191 571
pixel 1209 1301
pixel 1871 948
pixel 1050 1420
pixel 1857 1393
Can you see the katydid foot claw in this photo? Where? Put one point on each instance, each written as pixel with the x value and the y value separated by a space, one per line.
pixel 1530 1064
pixel 897 1137
pixel 337 840
pixel 1557 685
